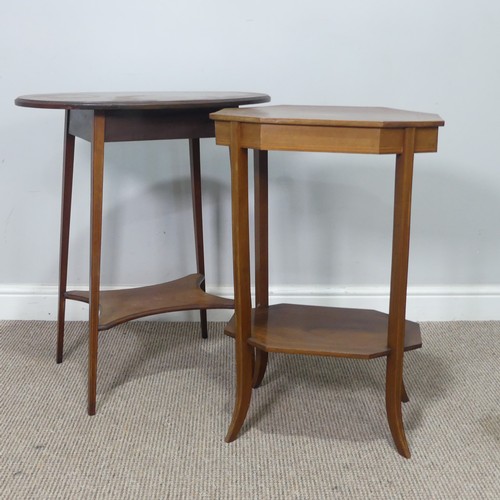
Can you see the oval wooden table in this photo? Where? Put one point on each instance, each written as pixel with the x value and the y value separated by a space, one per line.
pixel 321 331
pixel 132 116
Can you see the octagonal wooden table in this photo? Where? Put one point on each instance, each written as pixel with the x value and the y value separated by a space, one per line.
pixel 296 329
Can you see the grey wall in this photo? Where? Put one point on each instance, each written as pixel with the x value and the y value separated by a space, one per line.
pixel 330 214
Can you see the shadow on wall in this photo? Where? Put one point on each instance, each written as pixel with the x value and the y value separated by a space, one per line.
pixel 455 230
pixel 330 219
pixel 334 218
pixel 148 230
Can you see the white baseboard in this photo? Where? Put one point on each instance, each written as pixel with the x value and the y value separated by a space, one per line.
pixel 425 303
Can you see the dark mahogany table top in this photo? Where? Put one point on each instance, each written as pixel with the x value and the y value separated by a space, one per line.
pixel 141 100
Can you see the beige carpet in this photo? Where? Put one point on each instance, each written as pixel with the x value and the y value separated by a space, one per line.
pixel 316 428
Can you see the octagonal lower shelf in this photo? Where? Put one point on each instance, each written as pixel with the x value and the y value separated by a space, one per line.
pixel 184 294
pixel 323 331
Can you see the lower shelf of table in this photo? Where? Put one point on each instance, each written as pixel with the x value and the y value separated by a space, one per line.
pixel 184 294
pixel 323 331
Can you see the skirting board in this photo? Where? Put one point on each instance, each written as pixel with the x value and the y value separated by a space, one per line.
pixel 424 303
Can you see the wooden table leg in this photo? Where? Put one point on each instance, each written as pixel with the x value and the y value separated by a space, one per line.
pixel 395 392
pixel 261 213
pixel 404 394
pixel 67 187
pixel 97 177
pixel 241 263
pixel 194 157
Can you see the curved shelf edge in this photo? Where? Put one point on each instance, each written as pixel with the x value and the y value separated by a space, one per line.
pixel 323 331
pixel 184 294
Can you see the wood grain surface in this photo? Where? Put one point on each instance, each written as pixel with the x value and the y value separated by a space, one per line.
pixel 140 100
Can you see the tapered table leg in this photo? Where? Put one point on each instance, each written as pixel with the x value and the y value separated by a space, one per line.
pixel 241 263
pixel 67 188
pixel 97 177
pixel 194 157
pixel 399 278
pixel 261 215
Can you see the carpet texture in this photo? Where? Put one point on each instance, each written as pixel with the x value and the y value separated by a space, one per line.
pixel 316 427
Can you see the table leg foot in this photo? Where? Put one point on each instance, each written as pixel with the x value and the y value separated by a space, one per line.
pixel 204 324
pixel 393 397
pixel 243 391
pixel 239 414
pixel 404 394
pixel 92 370
pixel 260 366
pixel 60 341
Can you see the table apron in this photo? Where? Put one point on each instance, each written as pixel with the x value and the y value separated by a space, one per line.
pixel 315 138
pixel 143 125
